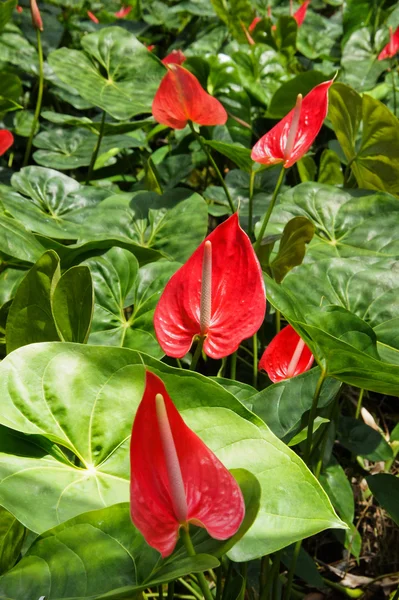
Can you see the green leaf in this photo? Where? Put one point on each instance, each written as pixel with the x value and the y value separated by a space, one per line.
pixel 232 13
pixel 285 97
pixel 66 149
pixel 360 67
pixel 297 234
pixel 122 560
pixel 302 435
pixel 307 169
pixel 17 242
pixel 110 127
pixel 374 152
pixel 72 305
pixel 363 440
pixel 11 88
pixel 330 168
pixel 12 535
pixel 125 300
pixel 385 488
pixel 240 155
pixel 343 220
pixel 114 72
pixel 282 405
pixel 84 398
pixel 30 318
pixel 318 35
pixel 286 34
pixel 6 10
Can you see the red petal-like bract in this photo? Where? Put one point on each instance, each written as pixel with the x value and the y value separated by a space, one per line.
pixel 277 357
pixel 180 98
pixel 176 57
pixel 123 12
pixel 270 149
pixel 92 17
pixel 392 46
pixel 150 47
pixel 238 296
pixel 254 23
pixel 36 16
pixel 300 14
pixel 6 140
pixel 214 499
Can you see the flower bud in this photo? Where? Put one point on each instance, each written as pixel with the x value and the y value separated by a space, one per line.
pixel 36 16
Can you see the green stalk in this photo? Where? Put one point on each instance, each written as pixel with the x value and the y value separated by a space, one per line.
pixel 278 321
pixel 271 577
pixel 214 165
pixel 359 404
pixel 96 150
pixel 396 595
pixel 233 365
pixel 255 360
pixel 202 582
pixel 291 572
pixel 197 353
pixel 250 202
pixel 171 590
pixel 38 100
pixel 393 85
pixel 269 211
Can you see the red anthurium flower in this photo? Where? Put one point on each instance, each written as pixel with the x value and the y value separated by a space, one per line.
pixel 123 12
pixel 300 14
pixel 286 356
pixel 175 57
pixel 150 47
pixel 218 294
pixel 292 137
pixel 19 8
pixel 175 478
pixel 92 17
pixel 6 140
pixel 392 46
pixel 254 23
pixel 36 16
pixel 180 98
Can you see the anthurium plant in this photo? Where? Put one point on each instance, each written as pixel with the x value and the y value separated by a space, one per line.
pixel 199 317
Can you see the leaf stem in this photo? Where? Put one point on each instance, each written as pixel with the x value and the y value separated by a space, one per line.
pixel 393 85
pixel 197 353
pixel 291 571
pixel 233 366
pixel 269 211
pixel 278 321
pixel 214 165
pixel 271 574
pixel 359 403
pixel 312 416
pixel 96 149
pixel 202 582
pixel 171 590
pixel 38 100
pixel 250 202
pixel 255 361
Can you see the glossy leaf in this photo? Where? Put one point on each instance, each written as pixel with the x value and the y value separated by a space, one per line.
pixel 18 242
pixel 105 385
pixel 125 300
pixel 6 10
pixel 285 97
pixel 385 488
pixel 296 235
pixel 125 79
pixel 72 305
pixel 30 318
pixel 12 535
pixel 363 440
pixel 240 155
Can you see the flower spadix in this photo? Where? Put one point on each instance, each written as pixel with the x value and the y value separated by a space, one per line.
pixel 392 46
pixel 218 293
pixel 175 478
pixel 180 98
pixel 292 137
pixel 286 356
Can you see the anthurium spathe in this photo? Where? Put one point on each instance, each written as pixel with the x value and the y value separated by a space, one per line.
pixel 123 12
pixel 6 140
pixel 180 98
pixel 392 46
pixel 286 356
pixel 218 295
pixel 292 137
pixel 175 57
pixel 175 478
pixel 300 14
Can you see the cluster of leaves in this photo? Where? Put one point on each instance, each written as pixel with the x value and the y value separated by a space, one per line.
pixel 111 205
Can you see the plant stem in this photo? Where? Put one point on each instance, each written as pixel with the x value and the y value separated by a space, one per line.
pixel 393 85
pixel 171 590
pixel 197 353
pixel 219 582
pixel 359 403
pixel 250 202
pixel 160 592
pixel 96 150
pixel 396 595
pixel 214 165
pixel 270 577
pixel 269 211
pixel 39 98
pixel 202 582
pixel 233 365
pixel 255 360
pixel 291 571
pixel 278 321
pixel 312 416
pixel 190 588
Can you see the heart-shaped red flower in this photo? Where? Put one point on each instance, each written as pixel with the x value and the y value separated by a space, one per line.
pixel 6 140
pixel 286 356
pixel 175 478
pixel 392 46
pixel 232 282
pixel 292 137
pixel 176 57
pixel 180 98
pixel 300 14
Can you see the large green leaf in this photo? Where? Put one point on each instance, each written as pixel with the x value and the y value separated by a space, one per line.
pixel 30 318
pixel 17 242
pixel 72 305
pixel 360 66
pixel 11 90
pixel 385 488
pixel 66 149
pixel 114 72
pixel 363 440
pixel 233 13
pixel 318 35
pixel 122 559
pixel 348 223
pixel 373 152
pixel 297 233
pixel 84 398
pixel 110 127
pixel 12 535
pixel 6 9
pixel 125 300
pixel 285 97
